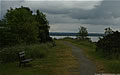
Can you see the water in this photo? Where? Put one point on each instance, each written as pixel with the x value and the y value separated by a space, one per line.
pixel 93 38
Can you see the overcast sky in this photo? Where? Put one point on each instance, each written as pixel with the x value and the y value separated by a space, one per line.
pixel 68 15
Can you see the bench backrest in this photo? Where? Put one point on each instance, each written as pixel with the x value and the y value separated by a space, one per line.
pixel 21 55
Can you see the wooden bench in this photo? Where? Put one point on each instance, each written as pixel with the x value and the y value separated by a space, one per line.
pixel 22 59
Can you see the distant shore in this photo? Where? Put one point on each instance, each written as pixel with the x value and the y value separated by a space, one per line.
pixel 73 34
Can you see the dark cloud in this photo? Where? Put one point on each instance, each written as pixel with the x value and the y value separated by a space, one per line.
pixel 107 13
pixel 99 13
pixel 0 10
pixel 108 9
pixel 6 4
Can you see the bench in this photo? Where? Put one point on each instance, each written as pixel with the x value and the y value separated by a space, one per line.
pixel 22 59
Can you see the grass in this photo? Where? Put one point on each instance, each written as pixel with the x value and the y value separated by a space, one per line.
pixel 103 64
pixel 58 60
pixel 10 54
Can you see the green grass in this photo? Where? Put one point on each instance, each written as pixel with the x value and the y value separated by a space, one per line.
pixel 103 64
pixel 10 54
pixel 57 61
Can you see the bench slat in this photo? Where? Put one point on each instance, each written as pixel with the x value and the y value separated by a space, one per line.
pixel 26 60
pixel 23 52
pixel 22 55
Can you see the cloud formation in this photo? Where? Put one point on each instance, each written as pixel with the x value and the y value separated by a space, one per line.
pixel 107 13
pixel 88 12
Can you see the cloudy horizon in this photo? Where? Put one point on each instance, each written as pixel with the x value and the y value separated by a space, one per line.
pixel 69 15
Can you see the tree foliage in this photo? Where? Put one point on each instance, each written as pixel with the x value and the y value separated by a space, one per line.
pixel 82 34
pixel 43 26
pixel 108 31
pixel 21 26
pixel 109 45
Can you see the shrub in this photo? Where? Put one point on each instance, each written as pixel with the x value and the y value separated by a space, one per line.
pixel 109 45
pixel 10 54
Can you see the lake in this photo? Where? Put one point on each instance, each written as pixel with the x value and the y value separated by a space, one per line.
pixel 93 38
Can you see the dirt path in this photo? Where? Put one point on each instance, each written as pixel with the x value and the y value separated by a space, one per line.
pixel 86 66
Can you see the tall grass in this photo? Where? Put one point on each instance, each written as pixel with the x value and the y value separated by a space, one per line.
pixel 58 60
pixel 10 54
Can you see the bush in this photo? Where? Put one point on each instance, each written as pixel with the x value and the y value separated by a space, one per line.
pixel 109 45
pixel 20 25
pixel 10 54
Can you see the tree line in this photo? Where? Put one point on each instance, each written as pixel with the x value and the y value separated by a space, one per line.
pixel 21 25
pixel 108 45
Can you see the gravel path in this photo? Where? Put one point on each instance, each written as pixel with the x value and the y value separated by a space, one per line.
pixel 86 66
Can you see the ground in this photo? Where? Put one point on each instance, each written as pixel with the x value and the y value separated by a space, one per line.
pixel 59 61
pixel 68 57
pixel 86 67
pixel 103 65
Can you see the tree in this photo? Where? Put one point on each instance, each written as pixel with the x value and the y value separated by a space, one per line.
pixel 0 22
pixel 108 31
pixel 20 26
pixel 43 26
pixel 82 34
pixel 109 45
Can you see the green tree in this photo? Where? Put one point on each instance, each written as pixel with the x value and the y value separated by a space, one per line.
pixel 43 26
pixel 20 25
pixel 108 31
pixel 109 45
pixel 82 34
pixel 0 23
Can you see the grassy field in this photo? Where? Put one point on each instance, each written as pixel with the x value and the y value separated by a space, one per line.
pixel 58 60
pixel 103 64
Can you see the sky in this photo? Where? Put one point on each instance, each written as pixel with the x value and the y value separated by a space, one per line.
pixel 69 15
